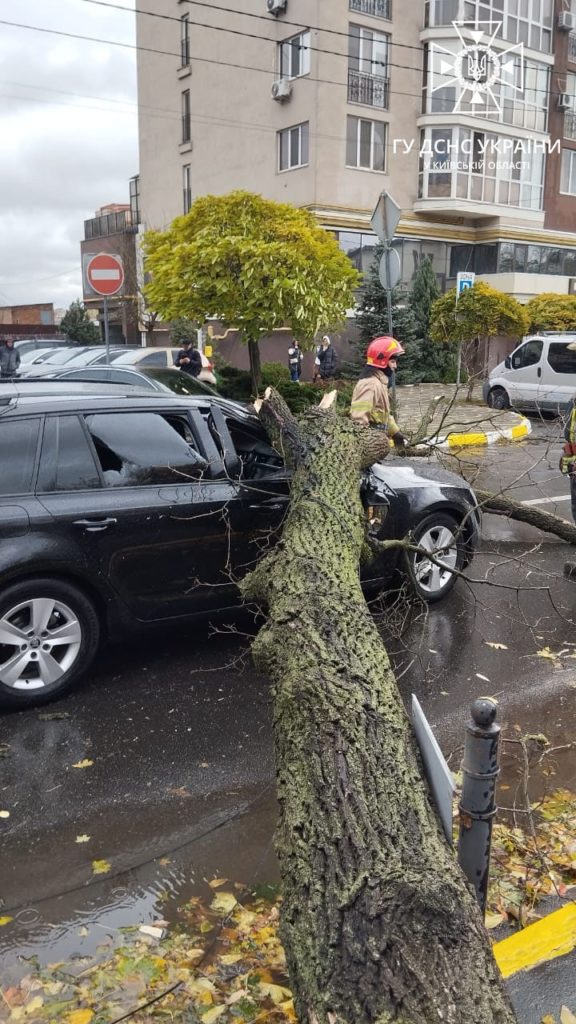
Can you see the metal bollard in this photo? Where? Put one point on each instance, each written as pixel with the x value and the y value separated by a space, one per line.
pixel 480 770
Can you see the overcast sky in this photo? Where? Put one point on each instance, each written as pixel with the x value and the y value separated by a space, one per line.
pixel 68 131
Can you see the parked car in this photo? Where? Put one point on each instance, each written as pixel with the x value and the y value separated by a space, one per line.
pixel 540 374
pixel 147 377
pixel 121 509
pixel 86 356
pixel 161 357
pixel 25 345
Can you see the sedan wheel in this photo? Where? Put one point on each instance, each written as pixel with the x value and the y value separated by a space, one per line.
pixel 439 536
pixel 48 635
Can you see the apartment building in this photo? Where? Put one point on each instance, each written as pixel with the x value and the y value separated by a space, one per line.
pixel 465 110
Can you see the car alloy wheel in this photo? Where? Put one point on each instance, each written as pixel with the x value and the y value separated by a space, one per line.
pixel 440 536
pixel 48 634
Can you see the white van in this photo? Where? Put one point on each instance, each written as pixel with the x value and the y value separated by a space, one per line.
pixel 539 374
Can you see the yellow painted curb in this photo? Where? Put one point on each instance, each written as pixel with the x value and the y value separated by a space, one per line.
pixel 547 939
pixel 521 430
pixel 463 440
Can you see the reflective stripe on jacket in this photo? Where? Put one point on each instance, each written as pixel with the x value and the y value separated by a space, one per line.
pixel 371 403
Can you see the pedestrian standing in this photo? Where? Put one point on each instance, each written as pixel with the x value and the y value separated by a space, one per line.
pixel 295 361
pixel 370 405
pixel 326 360
pixel 189 358
pixel 9 359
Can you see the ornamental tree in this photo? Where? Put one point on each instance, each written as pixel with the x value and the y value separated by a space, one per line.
pixel 552 311
pixel 252 263
pixel 481 310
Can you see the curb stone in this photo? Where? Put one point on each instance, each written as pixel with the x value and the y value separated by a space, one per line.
pixel 480 437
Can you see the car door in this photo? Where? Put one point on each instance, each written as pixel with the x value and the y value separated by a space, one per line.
pixel 130 489
pixel 558 382
pixel 522 378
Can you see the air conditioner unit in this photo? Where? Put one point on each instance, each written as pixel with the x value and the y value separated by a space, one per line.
pixel 566 21
pixel 276 7
pixel 565 101
pixel 282 90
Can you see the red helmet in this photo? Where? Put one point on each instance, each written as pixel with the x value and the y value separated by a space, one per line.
pixel 381 350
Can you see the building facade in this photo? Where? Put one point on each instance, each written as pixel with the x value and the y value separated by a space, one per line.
pixel 113 229
pixel 464 110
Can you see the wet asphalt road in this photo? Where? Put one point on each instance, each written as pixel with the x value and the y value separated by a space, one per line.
pixel 178 727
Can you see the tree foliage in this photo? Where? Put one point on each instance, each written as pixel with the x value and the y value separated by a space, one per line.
pixel 423 295
pixel 182 329
pixel 77 326
pixel 481 310
pixel 552 311
pixel 252 263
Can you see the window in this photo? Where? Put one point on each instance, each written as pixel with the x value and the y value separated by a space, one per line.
pixel 368 67
pixel 294 56
pixel 186 188
pixel 527 355
pixel 185 40
pixel 186 116
pixel 375 8
pixel 135 200
pixel 522 21
pixel 568 172
pixel 145 448
pixel 293 147
pixel 67 462
pixel 561 359
pixel 366 144
pixel 18 444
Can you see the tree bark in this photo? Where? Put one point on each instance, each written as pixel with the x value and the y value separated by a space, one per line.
pixel 255 366
pixel 377 920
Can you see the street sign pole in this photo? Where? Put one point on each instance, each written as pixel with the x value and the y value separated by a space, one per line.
pixel 464 280
pixel 106 330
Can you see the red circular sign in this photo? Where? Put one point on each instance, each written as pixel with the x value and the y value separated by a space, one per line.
pixel 105 274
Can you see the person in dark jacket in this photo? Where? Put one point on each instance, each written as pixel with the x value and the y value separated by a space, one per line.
pixel 189 359
pixel 9 359
pixel 295 361
pixel 326 359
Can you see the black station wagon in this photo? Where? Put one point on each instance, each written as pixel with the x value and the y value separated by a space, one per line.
pixel 123 508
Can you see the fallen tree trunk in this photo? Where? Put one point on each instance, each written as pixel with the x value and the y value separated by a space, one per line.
pixel 501 506
pixel 378 922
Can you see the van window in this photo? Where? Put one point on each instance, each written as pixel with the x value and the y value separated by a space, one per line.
pixel 528 354
pixel 561 359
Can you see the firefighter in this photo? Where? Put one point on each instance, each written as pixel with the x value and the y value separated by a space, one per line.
pixel 370 399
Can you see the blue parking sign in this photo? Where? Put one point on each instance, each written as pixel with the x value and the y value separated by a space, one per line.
pixel 464 280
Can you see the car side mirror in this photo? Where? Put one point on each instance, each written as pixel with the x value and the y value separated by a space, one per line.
pixel 508 363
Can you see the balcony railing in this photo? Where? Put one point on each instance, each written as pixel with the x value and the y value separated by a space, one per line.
pixel 110 224
pixel 376 8
pixel 572 46
pixel 570 124
pixel 372 90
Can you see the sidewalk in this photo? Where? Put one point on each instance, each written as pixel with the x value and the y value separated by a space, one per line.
pixel 456 423
pixel 539 966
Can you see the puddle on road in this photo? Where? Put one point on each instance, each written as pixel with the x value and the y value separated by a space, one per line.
pixel 89 922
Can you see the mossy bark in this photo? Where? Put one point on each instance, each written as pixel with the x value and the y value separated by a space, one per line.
pixel 377 920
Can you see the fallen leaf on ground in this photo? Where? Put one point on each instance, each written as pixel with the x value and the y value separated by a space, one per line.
pixel 80 1017
pixel 566 1016
pixel 82 839
pixel 493 920
pixel 223 903
pixel 215 883
pixel 86 763
pixel 545 652
pixel 5 920
pixel 4 814
pixel 100 867
pixel 497 647
pixel 213 1014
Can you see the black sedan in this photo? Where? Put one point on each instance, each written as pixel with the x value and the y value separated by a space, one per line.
pixel 121 509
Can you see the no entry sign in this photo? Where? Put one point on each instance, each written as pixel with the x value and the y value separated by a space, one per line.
pixel 105 274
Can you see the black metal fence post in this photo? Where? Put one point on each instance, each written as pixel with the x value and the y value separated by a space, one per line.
pixel 480 770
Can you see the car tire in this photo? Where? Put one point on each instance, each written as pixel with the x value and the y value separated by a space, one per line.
pixel 49 634
pixel 498 399
pixel 440 534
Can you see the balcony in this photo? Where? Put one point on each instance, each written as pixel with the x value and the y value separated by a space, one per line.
pixel 572 47
pixel 375 8
pixel 371 90
pixel 110 224
pixel 570 124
